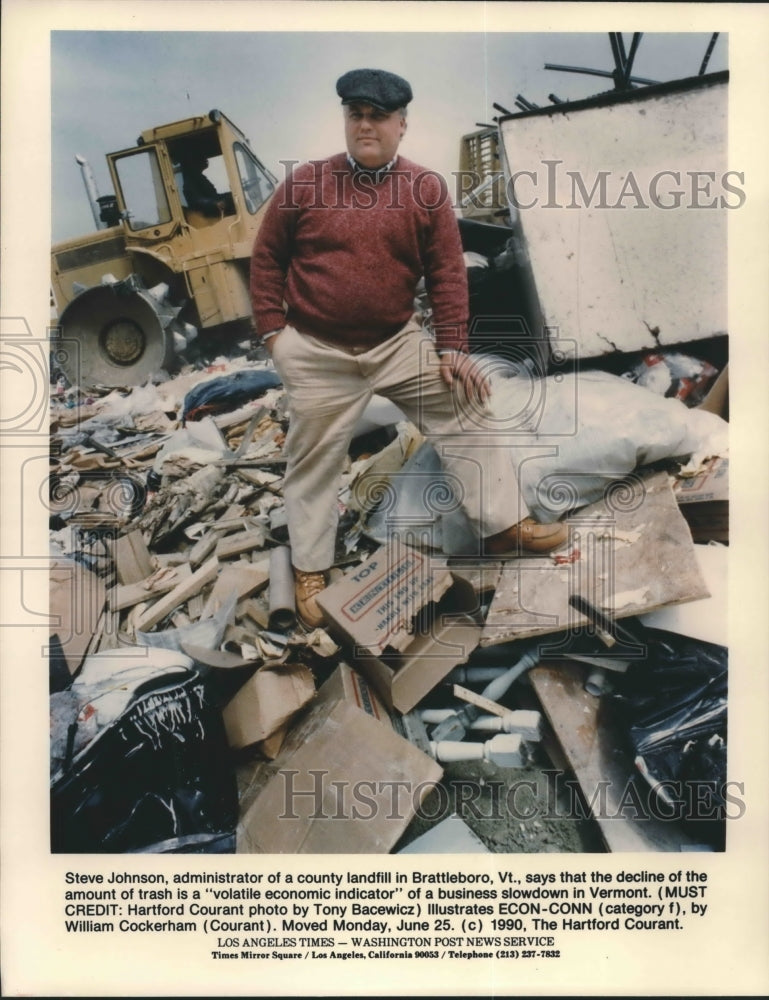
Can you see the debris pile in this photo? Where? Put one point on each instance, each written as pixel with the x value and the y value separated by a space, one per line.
pixel 172 588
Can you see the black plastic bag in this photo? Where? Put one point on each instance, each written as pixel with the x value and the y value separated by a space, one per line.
pixel 158 777
pixel 674 705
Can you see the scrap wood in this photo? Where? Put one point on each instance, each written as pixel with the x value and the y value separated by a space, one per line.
pixel 641 549
pixel 202 549
pixel 133 561
pixel 232 517
pixel 588 740
pixel 242 541
pixel 219 659
pixel 195 607
pixel 249 431
pixel 160 582
pixel 146 452
pixel 253 462
pixel 109 635
pixel 242 579
pixel 256 612
pixel 259 477
pixel 473 698
pixel 186 589
pixel 238 634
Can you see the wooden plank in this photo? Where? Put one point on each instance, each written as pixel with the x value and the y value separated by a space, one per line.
pixel 594 747
pixel 202 549
pixel 220 659
pixel 243 579
pixel 258 614
pixel 108 638
pixel 260 414
pixel 632 553
pixel 242 541
pixel 183 592
pixel 133 561
pixel 155 585
pixel 195 606
pixel 473 698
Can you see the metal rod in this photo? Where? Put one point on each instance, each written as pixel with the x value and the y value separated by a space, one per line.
pixel 621 44
pixel 637 35
pixel 619 62
pixel 527 105
pixel 708 53
pixel 499 107
pixel 598 72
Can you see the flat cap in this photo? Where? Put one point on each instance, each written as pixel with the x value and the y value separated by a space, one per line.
pixel 377 87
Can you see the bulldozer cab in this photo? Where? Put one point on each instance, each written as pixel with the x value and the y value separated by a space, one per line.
pixel 192 174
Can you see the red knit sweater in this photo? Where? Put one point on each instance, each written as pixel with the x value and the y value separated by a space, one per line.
pixel 340 257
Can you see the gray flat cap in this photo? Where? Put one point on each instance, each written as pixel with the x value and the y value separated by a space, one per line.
pixel 376 87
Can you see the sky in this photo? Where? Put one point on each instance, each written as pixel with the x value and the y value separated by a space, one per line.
pixel 279 88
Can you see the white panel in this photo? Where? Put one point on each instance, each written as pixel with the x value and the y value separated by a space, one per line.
pixel 606 274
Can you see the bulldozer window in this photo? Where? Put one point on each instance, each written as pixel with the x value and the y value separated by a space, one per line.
pixel 144 194
pixel 254 179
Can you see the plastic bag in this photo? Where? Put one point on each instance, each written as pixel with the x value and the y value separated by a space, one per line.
pixel 157 776
pixel 227 393
pixel 674 705
pixel 676 375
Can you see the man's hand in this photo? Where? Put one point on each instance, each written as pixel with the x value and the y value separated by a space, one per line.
pixel 458 368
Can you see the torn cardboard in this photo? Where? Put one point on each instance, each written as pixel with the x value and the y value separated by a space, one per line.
pixel 267 702
pixel 344 782
pixel 381 610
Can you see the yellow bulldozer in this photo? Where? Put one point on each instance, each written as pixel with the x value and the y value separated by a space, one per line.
pixel 169 258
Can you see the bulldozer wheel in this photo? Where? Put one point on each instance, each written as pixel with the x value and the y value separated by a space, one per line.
pixel 123 341
pixel 113 339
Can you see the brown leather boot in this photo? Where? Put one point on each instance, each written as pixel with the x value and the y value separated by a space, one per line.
pixel 307 586
pixel 527 536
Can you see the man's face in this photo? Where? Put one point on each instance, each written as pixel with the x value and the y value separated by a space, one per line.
pixel 372 136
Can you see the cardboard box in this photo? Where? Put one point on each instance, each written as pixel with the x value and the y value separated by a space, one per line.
pixel 267 702
pixel 710 483
pixel 344 781
pixel 407 619
pixel 704 501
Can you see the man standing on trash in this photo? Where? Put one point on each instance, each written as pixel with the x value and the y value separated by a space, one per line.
pixel 334 272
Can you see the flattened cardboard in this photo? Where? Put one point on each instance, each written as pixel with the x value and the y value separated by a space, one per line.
pixel 344 781
pixel 373 610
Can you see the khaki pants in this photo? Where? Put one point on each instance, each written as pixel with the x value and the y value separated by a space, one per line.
pixel 328 389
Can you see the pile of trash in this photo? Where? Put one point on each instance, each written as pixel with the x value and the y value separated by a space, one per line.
pixel 190 711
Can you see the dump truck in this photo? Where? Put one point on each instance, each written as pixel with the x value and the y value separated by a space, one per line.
pixel 169 258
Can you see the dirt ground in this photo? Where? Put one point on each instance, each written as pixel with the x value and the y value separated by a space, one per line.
pixel 527 810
